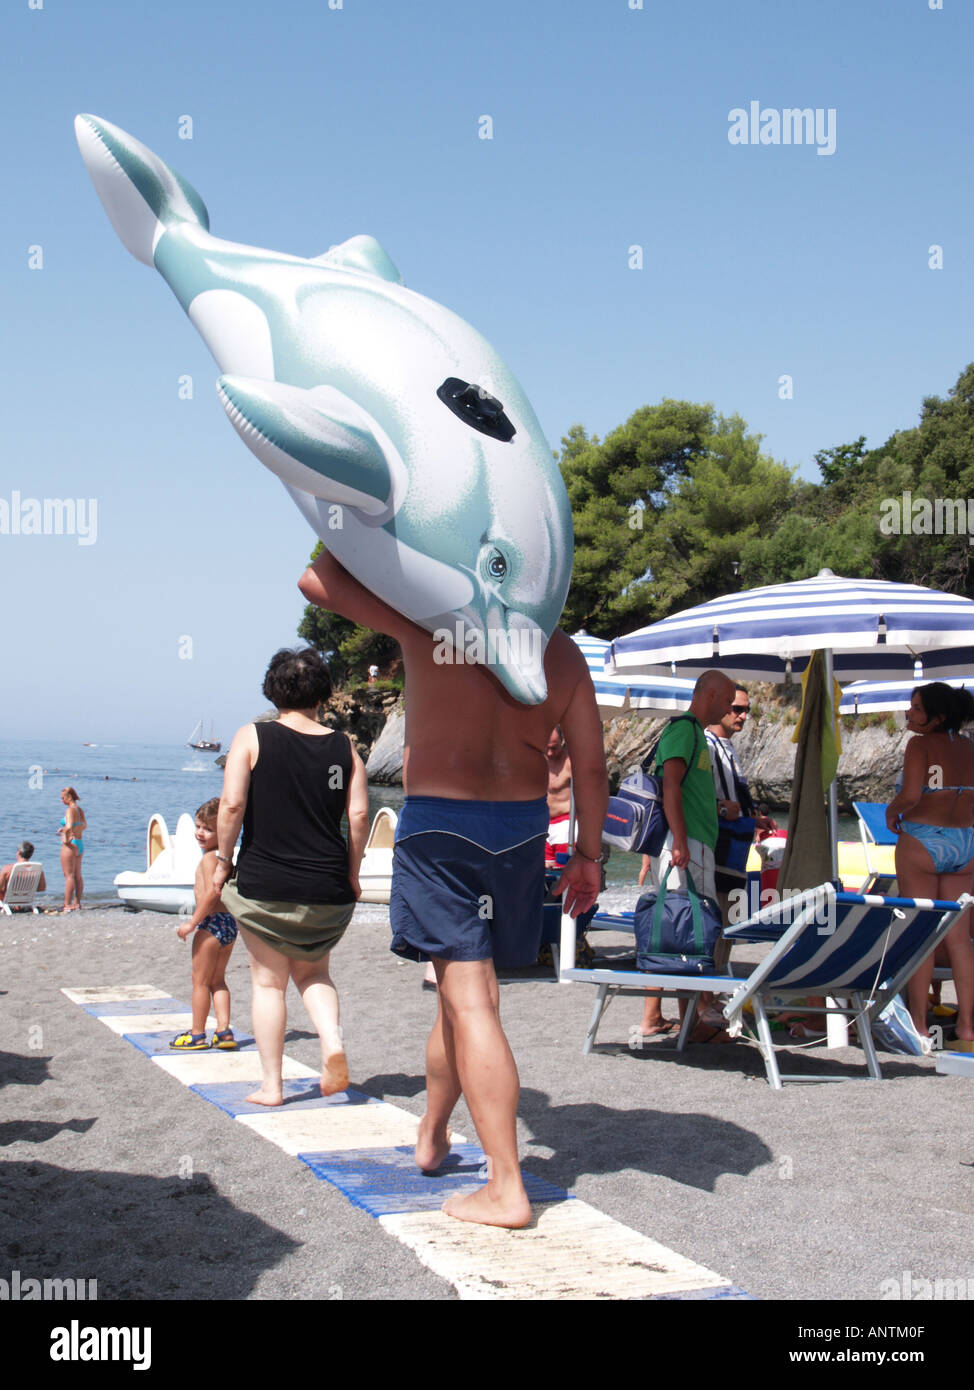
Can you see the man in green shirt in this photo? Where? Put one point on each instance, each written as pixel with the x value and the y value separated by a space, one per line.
pixel 690 806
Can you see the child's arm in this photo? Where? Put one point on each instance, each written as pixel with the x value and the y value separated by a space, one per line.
pixel 207 896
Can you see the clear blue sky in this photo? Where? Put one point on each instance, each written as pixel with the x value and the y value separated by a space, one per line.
pixel 311 124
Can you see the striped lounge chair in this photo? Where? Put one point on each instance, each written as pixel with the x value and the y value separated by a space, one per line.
pixel 845 946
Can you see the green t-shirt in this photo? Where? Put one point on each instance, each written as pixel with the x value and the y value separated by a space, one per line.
pixel 699 797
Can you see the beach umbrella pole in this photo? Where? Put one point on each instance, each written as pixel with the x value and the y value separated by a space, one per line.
pixel 836 1025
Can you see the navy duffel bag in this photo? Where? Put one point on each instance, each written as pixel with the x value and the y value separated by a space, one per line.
pixel 676 932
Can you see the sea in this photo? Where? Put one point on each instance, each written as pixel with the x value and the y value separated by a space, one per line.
pixel 122 785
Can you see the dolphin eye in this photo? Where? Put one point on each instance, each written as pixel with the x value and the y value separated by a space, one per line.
pixel 494 563
pixel 477 408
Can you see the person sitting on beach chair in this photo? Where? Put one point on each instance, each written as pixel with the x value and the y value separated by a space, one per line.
pixel 25 852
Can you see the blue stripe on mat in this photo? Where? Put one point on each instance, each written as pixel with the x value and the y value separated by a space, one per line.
pixel 723 1291
pixel 154 1044
pixel 165 1004
pixel 386 1182
pixel 304 1093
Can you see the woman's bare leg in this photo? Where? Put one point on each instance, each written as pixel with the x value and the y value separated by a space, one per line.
pixel 320 998
pixel 961 953
pixel 269 973
pixel 68 856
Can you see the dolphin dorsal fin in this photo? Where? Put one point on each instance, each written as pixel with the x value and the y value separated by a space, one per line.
pixel 362 253
pixel 317 440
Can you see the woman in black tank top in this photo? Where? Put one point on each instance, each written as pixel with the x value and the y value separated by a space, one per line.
pixel 288 782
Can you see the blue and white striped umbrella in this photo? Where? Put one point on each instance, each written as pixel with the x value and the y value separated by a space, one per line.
pixel 876 630
pixel 880 697
pixel 618 695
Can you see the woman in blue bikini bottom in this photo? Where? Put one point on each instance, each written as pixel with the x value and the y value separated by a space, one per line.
pixel 935 855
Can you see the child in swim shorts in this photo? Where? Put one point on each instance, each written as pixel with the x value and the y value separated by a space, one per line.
pixel 216 931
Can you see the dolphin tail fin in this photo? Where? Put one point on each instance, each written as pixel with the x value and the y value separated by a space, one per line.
pixel 142 196
pixel 318 441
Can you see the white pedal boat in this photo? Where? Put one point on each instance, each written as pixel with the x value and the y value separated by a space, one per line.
pixel 167 884
pixel 375 875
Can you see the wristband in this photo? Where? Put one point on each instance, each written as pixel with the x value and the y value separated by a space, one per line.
pixel 223 859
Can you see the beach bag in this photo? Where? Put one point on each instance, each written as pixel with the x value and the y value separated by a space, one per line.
pixel 895 1031
pixel 635 820
pixel 676 932
pixel 734 840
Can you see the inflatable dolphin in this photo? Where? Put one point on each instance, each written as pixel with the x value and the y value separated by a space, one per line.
pixel 397 429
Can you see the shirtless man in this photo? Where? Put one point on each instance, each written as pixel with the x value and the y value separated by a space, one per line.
pixel 559 797
pixel 475 766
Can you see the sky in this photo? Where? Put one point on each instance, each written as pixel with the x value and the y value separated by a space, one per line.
pixel 609 238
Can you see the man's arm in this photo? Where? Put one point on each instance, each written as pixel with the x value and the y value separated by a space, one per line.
pixel 673 771
pixel 582 727
pixel 328 585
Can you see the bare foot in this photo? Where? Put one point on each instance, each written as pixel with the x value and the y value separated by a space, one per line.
pixel 513 1211
pixel 429 1153
pixel 669 1025
pixel 265 1097
pixel 704 1033
pixel 334 1074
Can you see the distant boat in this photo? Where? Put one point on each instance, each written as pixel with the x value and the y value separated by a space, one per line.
pixel 204 745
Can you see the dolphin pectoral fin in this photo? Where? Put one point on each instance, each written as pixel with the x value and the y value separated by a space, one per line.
pixel 142 196
pixel 361 253
pixel 313 440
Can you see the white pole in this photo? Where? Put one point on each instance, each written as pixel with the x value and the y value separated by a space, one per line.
pixel 566 949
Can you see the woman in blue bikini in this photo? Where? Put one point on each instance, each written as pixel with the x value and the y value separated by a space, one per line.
pixel 933 815
pixel 73 826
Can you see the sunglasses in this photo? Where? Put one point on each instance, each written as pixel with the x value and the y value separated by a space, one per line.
pixel 740 709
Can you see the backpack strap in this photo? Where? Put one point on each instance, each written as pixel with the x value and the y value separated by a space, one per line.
pixel 650 757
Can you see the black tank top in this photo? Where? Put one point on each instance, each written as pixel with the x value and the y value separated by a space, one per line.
pixel 292 848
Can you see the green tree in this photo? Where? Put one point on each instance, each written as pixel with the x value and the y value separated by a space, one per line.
pixel 663 508
pixel 348 648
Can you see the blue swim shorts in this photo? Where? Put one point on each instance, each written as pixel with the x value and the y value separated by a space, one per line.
pixel 468 880
pixel 950 847
pixel 222 925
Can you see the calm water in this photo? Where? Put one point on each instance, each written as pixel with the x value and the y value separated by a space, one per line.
pixel 121 785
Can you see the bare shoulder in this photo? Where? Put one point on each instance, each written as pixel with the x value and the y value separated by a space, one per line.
pixel 563 654
pixel 569 680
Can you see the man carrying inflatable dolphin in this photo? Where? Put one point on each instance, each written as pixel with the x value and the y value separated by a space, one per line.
pixel 410 447
pixel 468 875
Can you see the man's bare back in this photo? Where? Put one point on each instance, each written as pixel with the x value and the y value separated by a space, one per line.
pixel 466 737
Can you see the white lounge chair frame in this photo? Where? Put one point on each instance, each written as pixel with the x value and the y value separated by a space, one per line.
pixel 861 948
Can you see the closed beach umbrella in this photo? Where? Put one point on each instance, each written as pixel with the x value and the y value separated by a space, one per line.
pixel 807 860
